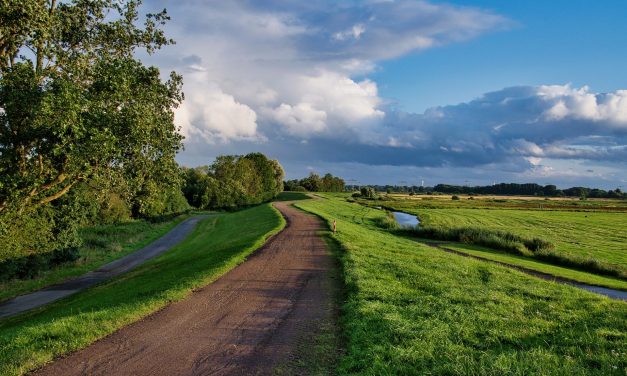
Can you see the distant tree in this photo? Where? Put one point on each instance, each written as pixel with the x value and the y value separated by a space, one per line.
pixel 312 183
pixel 368 192
pixel 233 181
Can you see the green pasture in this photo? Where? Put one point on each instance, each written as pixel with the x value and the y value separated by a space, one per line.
pixel 600 235
pixel 413 309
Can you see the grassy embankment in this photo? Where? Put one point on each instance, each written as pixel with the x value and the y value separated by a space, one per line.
pixel 530 263
pixel 591 241
pixel 101 245
pixel 217 245
pixel 412 309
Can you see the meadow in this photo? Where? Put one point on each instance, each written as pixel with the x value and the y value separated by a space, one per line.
pixel 217 245
pixel 591 238
pixel 413 309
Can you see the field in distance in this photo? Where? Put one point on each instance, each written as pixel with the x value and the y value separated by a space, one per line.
pixel 588 229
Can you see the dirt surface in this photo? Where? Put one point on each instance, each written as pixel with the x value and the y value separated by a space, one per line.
pixel 610 293
pixel 122 265
pixel 249 321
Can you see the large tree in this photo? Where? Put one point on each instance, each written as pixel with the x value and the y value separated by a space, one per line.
pixel 76 103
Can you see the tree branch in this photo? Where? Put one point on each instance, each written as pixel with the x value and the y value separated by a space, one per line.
pixel 58 194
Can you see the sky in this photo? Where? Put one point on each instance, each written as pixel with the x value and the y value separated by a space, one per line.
pixel 406 91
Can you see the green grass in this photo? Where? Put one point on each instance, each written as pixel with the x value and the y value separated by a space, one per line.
pixel 217 245
pixel 102 244
pixel 525 262
pixel 414 310
pixel 592 240
pixel 600 235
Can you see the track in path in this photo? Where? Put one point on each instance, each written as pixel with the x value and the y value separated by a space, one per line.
pixel 127 263
pixel 249 321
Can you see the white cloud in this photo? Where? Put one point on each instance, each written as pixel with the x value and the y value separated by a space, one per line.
pixel 580 104
pixel 300 120
pixel 354 32
pixel 214 115
pixel 271 67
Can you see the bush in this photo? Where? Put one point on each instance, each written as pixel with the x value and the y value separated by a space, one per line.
pixel 300 188
pixel 387 221
pixel 369 193
pixel 356 195
pixel 455 197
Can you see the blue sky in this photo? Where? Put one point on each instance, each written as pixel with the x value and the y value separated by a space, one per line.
pixel 390 91
pixel 550 42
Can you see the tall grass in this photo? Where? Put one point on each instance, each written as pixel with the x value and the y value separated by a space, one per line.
pixel 515 244
pixel 388 221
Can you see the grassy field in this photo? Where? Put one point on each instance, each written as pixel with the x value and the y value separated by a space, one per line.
pixel 217 245
pixel 540 266
pixel 102 244
pixel 412 309
pixel 598 233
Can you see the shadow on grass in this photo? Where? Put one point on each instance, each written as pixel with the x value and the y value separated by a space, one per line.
pixel 292 196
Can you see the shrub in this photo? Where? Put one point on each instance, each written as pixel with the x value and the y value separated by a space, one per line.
pixel 369 193
pixel 387 221
pixel 455 197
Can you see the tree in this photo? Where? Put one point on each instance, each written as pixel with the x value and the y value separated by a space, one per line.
pixel 312 183
pixel 77 104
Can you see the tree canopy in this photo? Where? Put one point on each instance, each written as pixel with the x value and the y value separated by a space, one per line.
pixel 86 129
pixel 315 183
pixel 233 181
pixel 75 102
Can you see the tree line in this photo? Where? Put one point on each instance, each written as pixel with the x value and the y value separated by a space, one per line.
pixel 530 189
pixel 315 183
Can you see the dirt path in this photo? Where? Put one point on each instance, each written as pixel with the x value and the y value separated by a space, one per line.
pixel 610 293
pixel 122 265
pixel 247 322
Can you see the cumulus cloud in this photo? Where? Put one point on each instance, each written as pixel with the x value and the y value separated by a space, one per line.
pixel 289 67
pixel 580 104
pixel 293 78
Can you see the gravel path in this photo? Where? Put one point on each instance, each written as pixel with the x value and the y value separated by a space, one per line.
pixel 250 321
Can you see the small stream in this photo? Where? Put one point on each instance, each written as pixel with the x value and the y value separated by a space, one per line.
pixel 406 220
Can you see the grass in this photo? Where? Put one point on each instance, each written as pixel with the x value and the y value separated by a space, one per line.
pixel 540 266
pixel 599 235
pixel 217 245
pixel 413 310
pixel 102 244
pixel 592 240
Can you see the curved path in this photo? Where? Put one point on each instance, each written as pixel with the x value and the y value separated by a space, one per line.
pixel 55 292
pixel 249 321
